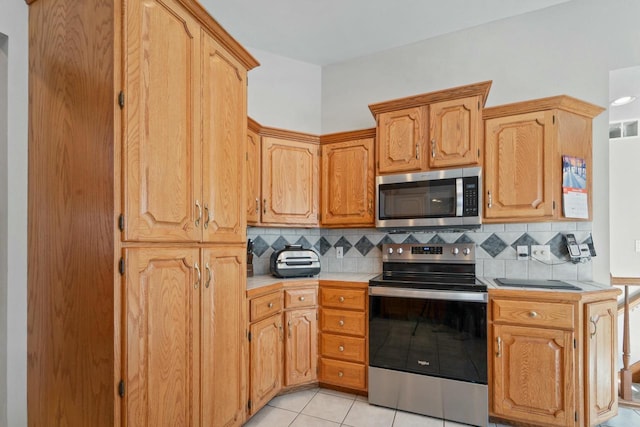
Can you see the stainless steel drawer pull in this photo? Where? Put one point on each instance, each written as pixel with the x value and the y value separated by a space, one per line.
pixel 533 314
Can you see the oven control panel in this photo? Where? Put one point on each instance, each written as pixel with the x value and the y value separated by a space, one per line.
pixel 462 253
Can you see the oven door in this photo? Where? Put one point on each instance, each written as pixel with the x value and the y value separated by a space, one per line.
pixel 435 333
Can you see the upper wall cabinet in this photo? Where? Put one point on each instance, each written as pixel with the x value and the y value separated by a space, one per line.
pixel 183 160
pixel 430 131
pixel 524 145
pixel 290 180
pixel 253 173
pixel 347 184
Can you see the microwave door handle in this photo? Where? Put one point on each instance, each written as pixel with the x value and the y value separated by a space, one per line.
pixel 459 196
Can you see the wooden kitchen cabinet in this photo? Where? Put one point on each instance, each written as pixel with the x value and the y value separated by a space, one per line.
pixel 524 145
pixel 348 180
pixel 455 132
pixel 290 182
pixel 253 173
pixel 266 361
pixel 198 136
pixel 435 130
pixel 145 217
pixel 542 370
pixel 343 335
pixel 301 346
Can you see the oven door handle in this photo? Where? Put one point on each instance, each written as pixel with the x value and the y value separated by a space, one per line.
pixel 384 291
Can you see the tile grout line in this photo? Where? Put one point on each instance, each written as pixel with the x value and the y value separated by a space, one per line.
pixel 306 404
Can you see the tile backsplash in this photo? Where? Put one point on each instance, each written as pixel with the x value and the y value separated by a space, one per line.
pixel 495 254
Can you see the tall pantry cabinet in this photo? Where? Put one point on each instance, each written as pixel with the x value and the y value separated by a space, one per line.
pixel 136 245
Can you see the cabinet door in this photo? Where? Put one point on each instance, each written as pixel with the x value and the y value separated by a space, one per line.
pixel 253 174
pixel 601 385
pixel 533 378
pixel 223 337
pixel 162 337
pixel 348 183
pixel 401 140
pixel 301 347
pixel 224 138
pixel 161 159
pixel 518 175
pixel 289 182
pixel 455 129
pixel 266 360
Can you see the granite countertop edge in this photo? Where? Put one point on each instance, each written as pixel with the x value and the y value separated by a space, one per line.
pixel 259 281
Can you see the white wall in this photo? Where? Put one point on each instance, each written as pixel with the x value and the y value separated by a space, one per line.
pixel 14 24
pixel 4 63
pixel 566 49
pixel 285 93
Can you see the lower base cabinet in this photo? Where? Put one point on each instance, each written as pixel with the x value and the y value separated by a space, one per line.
pixel 301 346
pixel 552 357
pixel 266 361
pixel 185 350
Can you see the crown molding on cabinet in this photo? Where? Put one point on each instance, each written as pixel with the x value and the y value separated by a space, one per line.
pixel 562 102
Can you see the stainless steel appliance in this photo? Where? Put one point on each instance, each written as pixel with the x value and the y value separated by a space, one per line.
pixel 428 333
pixel 449 198
pixel 294 261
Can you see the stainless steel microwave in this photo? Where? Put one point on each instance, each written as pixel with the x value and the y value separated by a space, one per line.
pixel 450 198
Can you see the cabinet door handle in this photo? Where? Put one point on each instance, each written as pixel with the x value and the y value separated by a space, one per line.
pixel 289 324
pixel 341 299
pixel 264 206
pixel 490 204
pixel 417 151
pixel 257 206
pixel 199 214
pixel 340 374
pixel 370 206
pixel 341 348
pixel 594 322
pixel 209 275
pixel 499 353
pixel 281 332
pixel 199 277
pixel 433 148
pixel 301 298
pixel 533 314
pixel 207 216
pixel 341 322
pixel 270 305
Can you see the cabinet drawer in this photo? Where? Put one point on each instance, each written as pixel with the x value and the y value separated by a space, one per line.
pixel 294 298
pixel 343 347
pixel 342 322
pixel 345 374
pixel 550 314
pixel 351 299
pixel 265 306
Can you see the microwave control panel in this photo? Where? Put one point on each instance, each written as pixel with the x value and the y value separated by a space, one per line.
pixel 470 196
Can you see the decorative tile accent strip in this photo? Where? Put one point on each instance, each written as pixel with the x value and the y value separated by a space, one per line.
pixel 558 246
pixel 493 245
pixel 303 242
pixel 322 245
pixel 259 246
pixel 344 243
pixel 280 243
pixel 464 239
pixel 364 246
pixel 410 239
pixel 524 240
pixel 436 240
pixel 385 240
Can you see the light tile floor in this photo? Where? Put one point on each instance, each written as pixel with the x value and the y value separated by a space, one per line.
pixel 319 407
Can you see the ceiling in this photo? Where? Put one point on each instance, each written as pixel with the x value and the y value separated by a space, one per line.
pixel 328 31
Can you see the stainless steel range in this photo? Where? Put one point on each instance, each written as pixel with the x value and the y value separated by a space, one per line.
pixel 428 333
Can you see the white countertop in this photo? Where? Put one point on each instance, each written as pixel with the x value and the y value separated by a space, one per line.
pixel 267 279
pixel 583 285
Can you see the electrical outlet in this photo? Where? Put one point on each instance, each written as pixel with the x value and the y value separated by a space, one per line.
pixel 339 252
pixel 541 252
pixel 522 253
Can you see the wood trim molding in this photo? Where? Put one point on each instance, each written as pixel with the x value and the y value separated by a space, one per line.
pixel 348 136
pixel 625 281
pixel 289 134
pixel 253 125
pixel 481 89
pixel 562 102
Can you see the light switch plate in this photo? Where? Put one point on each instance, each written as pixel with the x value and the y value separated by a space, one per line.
pixel 541 252
pixel 339 252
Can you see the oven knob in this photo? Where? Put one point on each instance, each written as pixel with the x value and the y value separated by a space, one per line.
pixel 400 251
pixel 390 250
pixel 466 251
pixel 455 251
